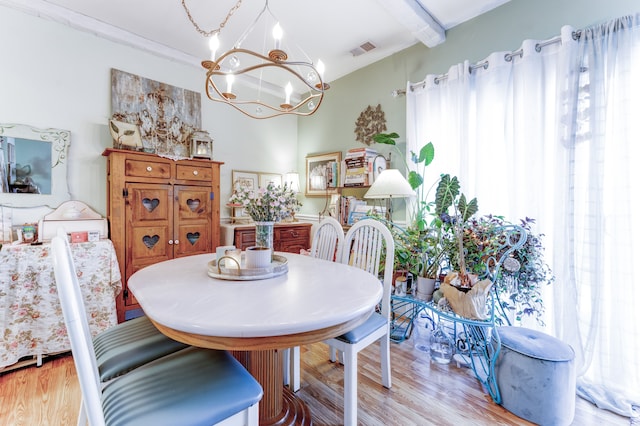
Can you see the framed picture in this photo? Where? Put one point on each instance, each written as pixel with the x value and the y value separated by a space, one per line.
pixel 246 180
pixel 267 178
pixel 166 114
pixel 323 174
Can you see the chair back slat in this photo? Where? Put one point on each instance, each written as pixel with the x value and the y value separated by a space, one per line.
pixel 327 240
pixel 75 319
pixel 364 246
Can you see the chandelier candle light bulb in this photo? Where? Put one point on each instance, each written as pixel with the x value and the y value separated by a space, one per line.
pixel 229 93
pixel 230 79
pixel 214 44
pixel 320 68
pixel 287 91
pixel 277 35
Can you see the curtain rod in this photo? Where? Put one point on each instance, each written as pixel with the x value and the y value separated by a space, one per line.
pixel 485 64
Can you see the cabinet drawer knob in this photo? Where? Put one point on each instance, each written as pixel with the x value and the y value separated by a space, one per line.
pixel 195 173
pixel 170 242
pixel 149 168
pixel 176 242
pixel 294 234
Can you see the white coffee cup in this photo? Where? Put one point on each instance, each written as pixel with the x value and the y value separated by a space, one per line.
pixel 257 257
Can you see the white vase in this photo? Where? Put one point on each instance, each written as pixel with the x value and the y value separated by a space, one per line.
pixel 426 287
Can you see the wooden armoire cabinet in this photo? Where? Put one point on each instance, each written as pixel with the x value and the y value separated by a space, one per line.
pixel 159 209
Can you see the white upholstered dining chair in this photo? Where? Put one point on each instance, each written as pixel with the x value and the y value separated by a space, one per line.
pixel 326 244
pixel 366 245
pixel 188 387
pixel 128 345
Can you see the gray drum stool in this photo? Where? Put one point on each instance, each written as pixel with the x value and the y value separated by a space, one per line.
pixel 536 376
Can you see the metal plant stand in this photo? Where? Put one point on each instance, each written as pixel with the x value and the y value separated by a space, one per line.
pixel 476 341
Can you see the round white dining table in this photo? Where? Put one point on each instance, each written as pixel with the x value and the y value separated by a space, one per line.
pixel 256 319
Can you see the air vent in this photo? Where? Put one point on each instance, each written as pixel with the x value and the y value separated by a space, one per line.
pixel 363 48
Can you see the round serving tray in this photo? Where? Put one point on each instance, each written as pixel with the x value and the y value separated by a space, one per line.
pixel 278 267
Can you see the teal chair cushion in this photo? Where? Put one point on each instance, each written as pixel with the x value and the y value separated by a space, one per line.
pixel 374 322
pixel 212 387
pixel 129 345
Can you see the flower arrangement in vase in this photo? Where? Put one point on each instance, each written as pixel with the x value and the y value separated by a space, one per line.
pixel 266 206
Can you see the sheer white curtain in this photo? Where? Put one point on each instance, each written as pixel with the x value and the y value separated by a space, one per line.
pixel 553 132
pixel 602 239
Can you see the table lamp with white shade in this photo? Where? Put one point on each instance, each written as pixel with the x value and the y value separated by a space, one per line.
pixel 390 184
pixel 292 179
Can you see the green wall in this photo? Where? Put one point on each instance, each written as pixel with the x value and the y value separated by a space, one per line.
pixel 504 28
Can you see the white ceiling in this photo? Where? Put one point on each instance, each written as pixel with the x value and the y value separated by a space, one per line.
pixel 326 29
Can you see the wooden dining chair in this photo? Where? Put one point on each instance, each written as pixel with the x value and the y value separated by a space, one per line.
pixel 367 244
pixel 326 244
pixel 189 387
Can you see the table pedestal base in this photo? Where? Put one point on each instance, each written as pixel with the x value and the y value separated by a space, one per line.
pixel 279 406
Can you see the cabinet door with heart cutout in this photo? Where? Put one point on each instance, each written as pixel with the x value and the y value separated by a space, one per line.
pixel 149 219
pixel 192 220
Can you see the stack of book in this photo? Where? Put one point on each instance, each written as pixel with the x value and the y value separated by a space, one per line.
pixel 332 174
pixel 358 167
pixel 349 210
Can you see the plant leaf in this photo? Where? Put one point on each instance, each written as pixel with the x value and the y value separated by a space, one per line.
pixel 447 191
pixel 426 154
pixel 467 209
pixel 386 138
pixel 414 179
pixel 114 127
pixel 129 132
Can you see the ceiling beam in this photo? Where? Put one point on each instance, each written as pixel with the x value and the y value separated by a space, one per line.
pixel 416 19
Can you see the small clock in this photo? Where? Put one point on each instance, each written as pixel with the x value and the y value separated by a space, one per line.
pixel 379 165
pixel 201 145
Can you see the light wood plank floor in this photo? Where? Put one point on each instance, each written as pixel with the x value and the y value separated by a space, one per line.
pixel 423 393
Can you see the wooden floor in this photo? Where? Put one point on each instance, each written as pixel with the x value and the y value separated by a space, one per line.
pixel 423 393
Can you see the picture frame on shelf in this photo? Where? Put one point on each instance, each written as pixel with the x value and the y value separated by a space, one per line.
pixel 323 174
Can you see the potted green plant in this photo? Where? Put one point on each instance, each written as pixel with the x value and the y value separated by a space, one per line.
pixel 418 248
pixel 454 211
pixel 519 290
pixel 429 256
pixel 421 160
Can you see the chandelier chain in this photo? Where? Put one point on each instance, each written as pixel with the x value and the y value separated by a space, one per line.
pixel 222 24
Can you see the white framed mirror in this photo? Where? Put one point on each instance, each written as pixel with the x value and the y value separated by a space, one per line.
pixel 33 166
